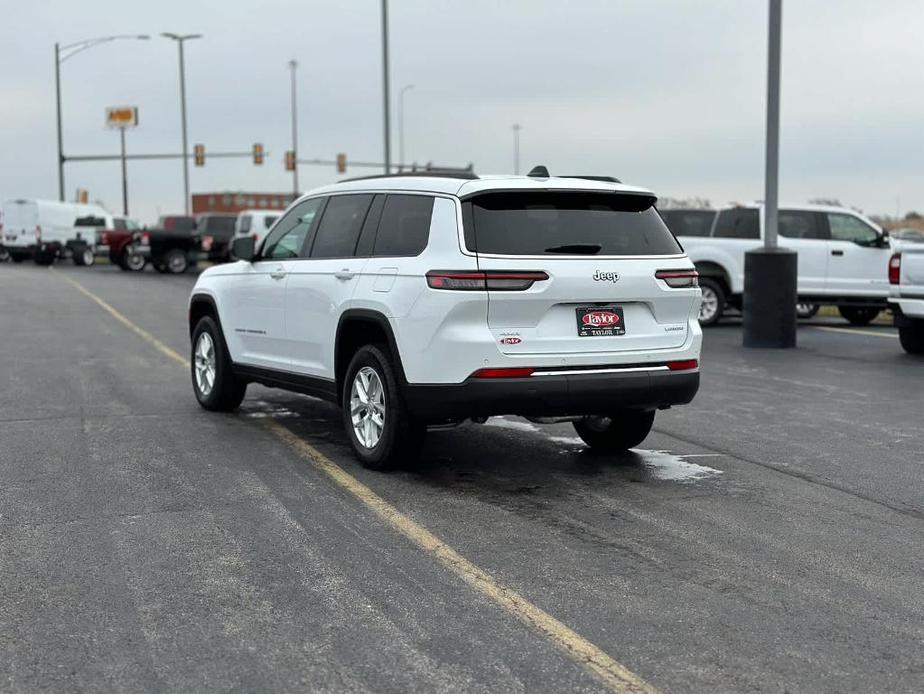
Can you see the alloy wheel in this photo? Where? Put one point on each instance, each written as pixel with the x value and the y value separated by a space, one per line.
pixel 367 407
pixel 205 364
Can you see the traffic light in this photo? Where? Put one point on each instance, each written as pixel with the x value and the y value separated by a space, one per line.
pixel 258 154
pixel 290 160
pixel 341 163
pixel 199 154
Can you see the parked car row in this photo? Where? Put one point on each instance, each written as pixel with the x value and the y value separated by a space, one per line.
pixel 48 230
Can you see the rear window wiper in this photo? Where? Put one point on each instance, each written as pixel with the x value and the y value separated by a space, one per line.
pixel 586 248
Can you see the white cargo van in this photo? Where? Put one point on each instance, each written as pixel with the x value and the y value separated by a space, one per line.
pixel 45 230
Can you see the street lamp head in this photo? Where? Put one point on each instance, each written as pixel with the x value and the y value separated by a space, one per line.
pixel 142 37
pixel 180 37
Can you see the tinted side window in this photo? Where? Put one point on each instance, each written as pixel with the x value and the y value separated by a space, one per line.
pixel 405 226
pixel 737 224
pixel 798 225
pixel 289 235
pixel 340 225
pixel 119 224
pixel 267 221
pixel 688 222
pixel 845 227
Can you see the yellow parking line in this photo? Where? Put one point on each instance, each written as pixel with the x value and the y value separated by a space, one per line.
pixel 616 676
pixel 141 332
pixel 854 331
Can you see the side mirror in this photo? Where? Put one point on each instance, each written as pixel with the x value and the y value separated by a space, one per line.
pixel 243 248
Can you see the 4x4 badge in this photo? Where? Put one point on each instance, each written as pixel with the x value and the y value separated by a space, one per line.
pixel 605 276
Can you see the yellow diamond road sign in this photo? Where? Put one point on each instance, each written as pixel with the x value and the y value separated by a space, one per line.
pixel 122 116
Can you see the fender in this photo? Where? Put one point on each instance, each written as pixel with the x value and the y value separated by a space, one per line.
pixel 201 297
pixel 364 314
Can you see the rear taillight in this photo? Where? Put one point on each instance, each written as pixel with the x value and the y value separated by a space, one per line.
pixel 684 365
pixel 495 280
pixel 895 269
pixel 38 233
pixel 515 372
pixel 145 239
pixel 679 279
pixel 254 237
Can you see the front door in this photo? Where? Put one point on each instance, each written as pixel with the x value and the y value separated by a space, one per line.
pixel 255 311
pixel 858 264
pixel 803 231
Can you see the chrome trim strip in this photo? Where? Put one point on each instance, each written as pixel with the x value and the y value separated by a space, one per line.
pixel 582 372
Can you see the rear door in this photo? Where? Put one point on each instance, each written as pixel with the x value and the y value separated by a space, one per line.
pixel 322 282
pixel 600 253
pixel 804 232
pixel 20 220
pixel 857 263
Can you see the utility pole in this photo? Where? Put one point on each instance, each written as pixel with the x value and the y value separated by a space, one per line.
pixel 770 272
pixel 401 125
pixel 293 66
pixel 124 175
pixel 516 149
pixel 180 39
pixel 385 93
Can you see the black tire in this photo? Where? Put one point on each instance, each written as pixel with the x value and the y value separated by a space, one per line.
pixel 401 435
pixel 858 315
pixel 806 311
pixel 16 258
pixel 175 261
pixel 714 300
pixel 4 255
pixel 82 255
pixel 226 391
pixel 912 337
pixel 617 432
pixel 132 261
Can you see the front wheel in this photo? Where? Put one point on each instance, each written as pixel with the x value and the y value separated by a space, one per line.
pixel 213 379
pixel 858 315
pixel 132 260
pixel 912 337
pixel 381 431
pixel 83 256
pixel 713 305
pixel 806 310
pixel 617 432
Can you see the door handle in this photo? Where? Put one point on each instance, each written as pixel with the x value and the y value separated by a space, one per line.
pixel 345 274
pixel 837 252
pixel 278 273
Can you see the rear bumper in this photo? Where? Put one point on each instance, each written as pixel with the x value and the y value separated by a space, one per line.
pixel 550 396
pixel 906 309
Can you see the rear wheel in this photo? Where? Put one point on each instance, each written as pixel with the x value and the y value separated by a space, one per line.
pixel 213 379
pixel 132 260
pixel 806 310
pixel 858 315
pixel 713 305
pixel 4 255
pixel 912 337
pixel 83 256
pixel 176 261
pixel 381 431
pixel 616 432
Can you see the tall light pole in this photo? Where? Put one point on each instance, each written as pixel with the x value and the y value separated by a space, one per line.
pixel 770 272
pixel 180 39
pixel 385 95
pixel 293 66
pixel 401 125
pixel 516 148
pixel 62 53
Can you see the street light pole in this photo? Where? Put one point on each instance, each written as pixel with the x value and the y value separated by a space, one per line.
pixel 770 272
pixel 516 148
pixel 62 53
pixel 180 39
pixel 293 66
pixel 385 94
pixel 124 175
pixel 401 125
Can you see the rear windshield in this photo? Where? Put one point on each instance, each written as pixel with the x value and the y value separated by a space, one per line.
pixel 550 223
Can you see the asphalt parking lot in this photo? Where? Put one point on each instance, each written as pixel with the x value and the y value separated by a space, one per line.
pixel 767 538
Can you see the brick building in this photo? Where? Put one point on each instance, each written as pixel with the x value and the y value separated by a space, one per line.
pixel 232 202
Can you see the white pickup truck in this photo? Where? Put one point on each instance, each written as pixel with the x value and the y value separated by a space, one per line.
pixel 906 281
pixel 843 258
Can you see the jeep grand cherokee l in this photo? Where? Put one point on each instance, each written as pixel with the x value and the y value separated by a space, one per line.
pixel 415 300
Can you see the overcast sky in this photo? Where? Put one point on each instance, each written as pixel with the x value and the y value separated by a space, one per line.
pixel 667 94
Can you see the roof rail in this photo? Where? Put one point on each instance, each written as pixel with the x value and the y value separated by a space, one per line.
pixel 463 175
pixel 604 179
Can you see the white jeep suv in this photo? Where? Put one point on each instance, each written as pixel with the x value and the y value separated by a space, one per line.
pixel 416 300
